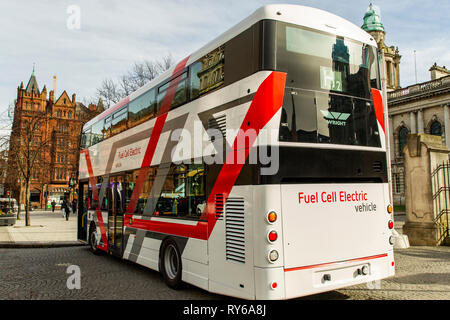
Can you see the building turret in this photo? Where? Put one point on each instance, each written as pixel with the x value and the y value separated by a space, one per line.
pixel 373 25
pixel 32 86
pixel 438 72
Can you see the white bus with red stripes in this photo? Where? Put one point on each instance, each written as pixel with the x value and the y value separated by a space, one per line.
pixel 255 167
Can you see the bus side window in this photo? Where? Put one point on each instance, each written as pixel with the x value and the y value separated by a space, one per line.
pixel 183 192
pixel 194 79
pixel 208 73
pixel 93 203
pixel 180 93
pixel 172 200
pixel 119 121
pixel 195 190
pixel 128 187
pixel 107 128
pixel 86 139
pixel 97 135
pixel 145 194
pixel 142 108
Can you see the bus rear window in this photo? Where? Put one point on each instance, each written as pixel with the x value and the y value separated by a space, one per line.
pixel 331 63
pixel 317 117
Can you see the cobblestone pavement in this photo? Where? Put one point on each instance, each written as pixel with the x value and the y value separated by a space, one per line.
pixel 421 273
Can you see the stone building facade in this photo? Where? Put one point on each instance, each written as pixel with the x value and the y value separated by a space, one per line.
pixel 59 134
pixel 419 108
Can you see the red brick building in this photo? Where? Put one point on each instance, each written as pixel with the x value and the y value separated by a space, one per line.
pixel 59 132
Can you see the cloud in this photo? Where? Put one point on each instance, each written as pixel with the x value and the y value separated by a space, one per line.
pixel 115 33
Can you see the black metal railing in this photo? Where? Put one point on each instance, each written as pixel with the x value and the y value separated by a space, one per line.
pixel 440 184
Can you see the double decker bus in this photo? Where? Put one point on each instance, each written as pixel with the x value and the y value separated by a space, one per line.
pixel 255 167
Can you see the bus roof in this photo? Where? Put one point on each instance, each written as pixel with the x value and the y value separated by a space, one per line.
pixel 295 14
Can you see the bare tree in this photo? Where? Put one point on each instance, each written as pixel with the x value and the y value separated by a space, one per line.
pixel 110 92
pixel 165 63
pixel 27 144
pixel 140 73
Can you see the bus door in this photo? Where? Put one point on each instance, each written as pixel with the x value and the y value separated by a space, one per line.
pixel 83 206
pixel 115 215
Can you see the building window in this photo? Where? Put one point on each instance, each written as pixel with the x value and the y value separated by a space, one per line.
pixel 436 128
pixel 63 128
pixel 35 174
pixel 397 183
pixel 60 174
pixel 402 138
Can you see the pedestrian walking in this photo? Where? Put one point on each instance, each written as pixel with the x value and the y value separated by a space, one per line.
pixel 53 205
pixel 65 207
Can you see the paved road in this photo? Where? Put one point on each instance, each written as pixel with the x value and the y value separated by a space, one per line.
pixel 422 273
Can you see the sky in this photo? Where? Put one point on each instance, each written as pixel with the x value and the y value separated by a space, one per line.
pixel 110 35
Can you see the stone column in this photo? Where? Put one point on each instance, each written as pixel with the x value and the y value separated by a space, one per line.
pixel 447 125
pixel 398 73
pixel 420 121
pixel 423 153
pixel 412 122
pixel 391 137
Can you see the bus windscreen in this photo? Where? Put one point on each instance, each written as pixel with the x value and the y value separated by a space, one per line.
pixel 333 103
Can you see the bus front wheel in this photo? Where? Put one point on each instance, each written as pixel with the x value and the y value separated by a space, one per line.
pixel 171 264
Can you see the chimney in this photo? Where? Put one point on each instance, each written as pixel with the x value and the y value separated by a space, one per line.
pixel 44 92
pixel 92 107
pixel 51 96
pixel 54 85
pixel 73 98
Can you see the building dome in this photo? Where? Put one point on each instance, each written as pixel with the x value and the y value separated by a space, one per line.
pixel 372 21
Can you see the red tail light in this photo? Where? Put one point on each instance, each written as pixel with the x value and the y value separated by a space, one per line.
pixel 273 236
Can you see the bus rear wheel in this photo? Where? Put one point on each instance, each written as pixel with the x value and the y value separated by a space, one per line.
pixel 171 264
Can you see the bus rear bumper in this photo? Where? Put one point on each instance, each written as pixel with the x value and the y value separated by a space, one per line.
pixel 280 283
pixel 307 280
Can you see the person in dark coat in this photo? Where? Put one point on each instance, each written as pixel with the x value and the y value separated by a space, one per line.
pixel 53 205
pixel 65 207
pixel 74 206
